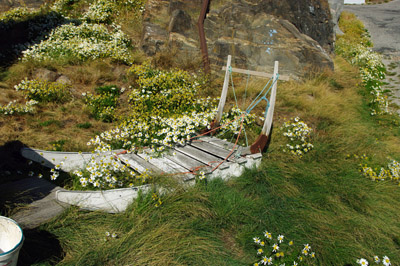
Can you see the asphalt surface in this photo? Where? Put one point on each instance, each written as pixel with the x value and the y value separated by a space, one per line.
pixel 383 24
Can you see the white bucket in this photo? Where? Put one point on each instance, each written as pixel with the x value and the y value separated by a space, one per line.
pixel 11 239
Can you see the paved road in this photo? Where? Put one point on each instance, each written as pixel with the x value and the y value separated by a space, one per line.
pixel 383 23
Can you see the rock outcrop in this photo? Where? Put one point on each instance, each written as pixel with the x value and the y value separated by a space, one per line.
pixel 254 32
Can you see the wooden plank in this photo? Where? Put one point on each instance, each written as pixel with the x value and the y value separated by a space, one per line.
pixel 167 166
pixel 139 164
pixel 199 155
pixel 214 150
pixel 270 114
pixel 188 162
pixel 220 143
pixel 224 92
pixel 226 145
pixel 257 73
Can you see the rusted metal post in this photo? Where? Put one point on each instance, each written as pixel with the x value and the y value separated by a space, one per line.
pixel 202 35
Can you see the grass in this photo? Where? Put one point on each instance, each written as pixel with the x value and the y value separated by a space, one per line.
pixel 320 199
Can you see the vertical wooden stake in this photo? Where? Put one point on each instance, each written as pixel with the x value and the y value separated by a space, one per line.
pixel 268 120
pixel 224 92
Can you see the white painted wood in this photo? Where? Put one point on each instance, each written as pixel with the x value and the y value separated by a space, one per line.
pixel 168 166
pixel 257 73
pixel 112 201
pixel 354 2
pixel 188 162
pixel 268 121
pixel 199 155
pixel 68 161
pixel 214 150
pixel 139 164
pixel 219 143
pixel 224 92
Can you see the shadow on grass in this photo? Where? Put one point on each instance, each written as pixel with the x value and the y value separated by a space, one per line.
pixel 19 184
pixel 40 248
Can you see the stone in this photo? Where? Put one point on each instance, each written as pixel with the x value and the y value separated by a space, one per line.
pixel 153 39
pixel 336 7
pixel 45 74
pixel 245 29
pixel 180 21
pixel 64 80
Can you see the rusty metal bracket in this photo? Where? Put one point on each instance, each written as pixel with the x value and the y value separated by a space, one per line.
pixel 203 43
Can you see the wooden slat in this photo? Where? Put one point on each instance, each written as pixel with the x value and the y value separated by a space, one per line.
pixel 214 150
pixel 159 162
pixel 188 162
pixel 138 163
pixel 257 73
pixel 199 155
pixel 168 166
pixel 226 145
pixel 220 143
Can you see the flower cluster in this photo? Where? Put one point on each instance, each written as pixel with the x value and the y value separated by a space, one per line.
pixel 385 261
pixel 44 91
pixel 108 171
pixel 82 42
pixel 371 68
pixel 154 132
pixel 297 133
pixel 156 198
pixel 231 123
pixel 60 6
pixel 391 172
pixel 13 108
pixel 16 14
pixel 102 105
pixel 100 11
pixel 162 93
pixel 279 252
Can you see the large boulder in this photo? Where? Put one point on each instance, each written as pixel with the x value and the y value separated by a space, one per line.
pixel 336 9
pixel 254 33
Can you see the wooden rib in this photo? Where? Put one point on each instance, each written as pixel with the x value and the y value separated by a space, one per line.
pixel 257 73
pixel 139 164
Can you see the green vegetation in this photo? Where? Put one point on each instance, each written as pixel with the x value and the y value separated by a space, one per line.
pixel 330 198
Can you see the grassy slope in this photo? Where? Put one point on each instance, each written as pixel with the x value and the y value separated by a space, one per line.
pixel 320 199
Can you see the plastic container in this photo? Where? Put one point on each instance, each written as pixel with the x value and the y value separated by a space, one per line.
pixel 11 239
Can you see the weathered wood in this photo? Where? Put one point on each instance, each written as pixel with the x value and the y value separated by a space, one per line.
pixel 224 92
pixel 167 166
pixel 256 73
pixel 220 143
pixel 139 164
pixel 199 155
pixel 188 162
pixel 268 120
pixel 214 150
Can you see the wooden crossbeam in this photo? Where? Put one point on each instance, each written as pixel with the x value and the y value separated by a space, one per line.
pixel 257 73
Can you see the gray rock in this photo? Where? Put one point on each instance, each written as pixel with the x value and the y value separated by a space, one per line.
pixel 45 74
pixel 180 22
pixel 336 7
pixel 64 80
pixel 154 38
pixel 243 29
